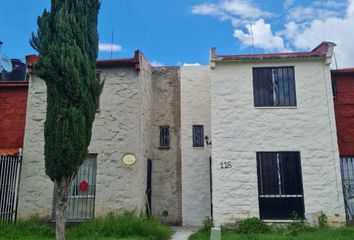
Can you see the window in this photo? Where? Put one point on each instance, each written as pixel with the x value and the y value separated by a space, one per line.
pixel 280 189
pixel 274 86
pixel 198 136
pixel 81 199
pixel 164 136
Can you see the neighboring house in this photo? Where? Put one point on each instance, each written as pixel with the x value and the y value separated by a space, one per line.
pixel 343 90
pixel 13 101
pixel 247 135
pixel 274 137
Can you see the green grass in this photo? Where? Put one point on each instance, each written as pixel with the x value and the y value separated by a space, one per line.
pixel 316 234
pixel 123 227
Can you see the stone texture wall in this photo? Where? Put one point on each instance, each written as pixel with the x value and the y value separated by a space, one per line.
pixel 36 189
pixel 116 132
pixel 166 163
pixel 118 129
pixel 195 110
pixel 240 130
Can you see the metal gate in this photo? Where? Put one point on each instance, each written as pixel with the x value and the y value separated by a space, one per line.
pixel 347 169
pixel 10 168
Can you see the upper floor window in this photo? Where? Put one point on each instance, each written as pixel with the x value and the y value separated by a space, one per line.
pixel 198 136
pixel 164 136
pixel 274 87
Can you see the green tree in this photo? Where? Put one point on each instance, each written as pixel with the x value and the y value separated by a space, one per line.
pixel 67 43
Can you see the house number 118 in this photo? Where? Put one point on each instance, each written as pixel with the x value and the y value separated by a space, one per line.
pixel 226 165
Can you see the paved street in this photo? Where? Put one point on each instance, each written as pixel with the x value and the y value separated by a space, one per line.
pixel 182 233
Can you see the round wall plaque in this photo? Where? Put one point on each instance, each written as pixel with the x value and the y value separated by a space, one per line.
pixel 129 159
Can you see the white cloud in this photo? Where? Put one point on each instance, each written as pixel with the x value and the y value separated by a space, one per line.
pixel 288 3
pixel 156 64
pixel 244 9
pixel 304 27
pixel 206 9
pixel 108 47
pixel 335 29
pixel 235 11
pixel 263 37
pixel 303 14
pixel 190 64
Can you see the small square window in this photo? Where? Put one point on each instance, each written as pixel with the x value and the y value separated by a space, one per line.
pixel 164 136
pixel 198 136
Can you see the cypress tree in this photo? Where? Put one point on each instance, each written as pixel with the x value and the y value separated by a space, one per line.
pixel 67 43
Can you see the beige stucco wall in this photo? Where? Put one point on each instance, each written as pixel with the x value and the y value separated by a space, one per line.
pixel 36 189
pixel 195 110
pixel 166 163
pixel 239 130
pixel 119 128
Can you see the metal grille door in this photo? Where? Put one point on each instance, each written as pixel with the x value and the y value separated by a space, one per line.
pixel 347 167
pixel 10 167
pixel 81 199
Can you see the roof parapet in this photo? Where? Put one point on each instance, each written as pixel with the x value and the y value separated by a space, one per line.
pixel 326 48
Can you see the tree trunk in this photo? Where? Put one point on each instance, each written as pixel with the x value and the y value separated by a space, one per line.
pixel 62 190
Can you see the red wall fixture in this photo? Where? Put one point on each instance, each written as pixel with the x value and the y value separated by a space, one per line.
pixel 13 104
pixel 343 80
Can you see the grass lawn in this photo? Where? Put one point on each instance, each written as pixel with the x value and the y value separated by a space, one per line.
pixel 317 234
pixel 123 227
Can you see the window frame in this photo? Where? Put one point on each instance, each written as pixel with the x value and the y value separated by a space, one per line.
pixel 165 140
pixel 198 141
pixel 284 199
pixel 264 85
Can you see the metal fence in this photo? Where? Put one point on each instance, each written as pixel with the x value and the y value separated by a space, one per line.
pixel 347 168
pixel 10 168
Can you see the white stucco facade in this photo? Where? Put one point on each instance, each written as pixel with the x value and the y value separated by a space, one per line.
pixel 137 99
pixel 195 110
pixel 240 130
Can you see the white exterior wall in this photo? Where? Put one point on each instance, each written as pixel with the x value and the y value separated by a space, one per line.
pixel 118 129
pixel 36 189
pixel 239 130
pixel 195 110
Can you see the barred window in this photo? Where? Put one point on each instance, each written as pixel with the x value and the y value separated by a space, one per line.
pixel 280 185
pixel 81 199
pixel 198 136
pixel 274 86
pixel 164 136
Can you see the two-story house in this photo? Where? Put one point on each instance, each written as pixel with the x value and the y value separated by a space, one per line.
pixel 246 135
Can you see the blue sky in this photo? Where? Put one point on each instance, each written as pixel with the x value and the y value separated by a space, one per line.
pixel 182 31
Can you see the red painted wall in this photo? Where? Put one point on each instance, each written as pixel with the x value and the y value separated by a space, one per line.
pixel 13 104
pixel 344 110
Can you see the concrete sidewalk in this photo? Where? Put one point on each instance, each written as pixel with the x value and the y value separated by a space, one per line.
pixel 182 233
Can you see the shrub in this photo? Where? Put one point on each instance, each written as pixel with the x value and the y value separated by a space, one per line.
pixel 322 220
pixel 253 225
pixel 207 223
pixel 120 226
pixel 298 226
